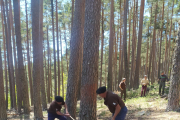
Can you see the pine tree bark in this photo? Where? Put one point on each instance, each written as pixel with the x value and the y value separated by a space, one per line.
pixel 133 48
pixel 126 64
pixel 62 71
pixel 162 22
pixel 5 64
pixel 28 57
pixel 111 39
pixel 21 70
pixel 102 41
pixel 9 56
pixel 90 60
pixel 3 114
pixel 136 77
pixel 154 47
pixel 74 73
pixel 36 60
pixel 48 49
pixel 59 88
pixel 43 93
pixel 55 81
pixel 173 97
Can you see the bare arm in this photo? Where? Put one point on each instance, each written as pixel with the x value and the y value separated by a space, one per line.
pixel 120 86
pixel 66 108
pixel 118 109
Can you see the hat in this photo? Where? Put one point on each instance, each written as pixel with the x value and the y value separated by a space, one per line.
pixel 59 99
pixel 101 90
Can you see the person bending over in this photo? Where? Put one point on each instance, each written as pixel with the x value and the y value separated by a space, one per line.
pixel 114 103
pixel 54 110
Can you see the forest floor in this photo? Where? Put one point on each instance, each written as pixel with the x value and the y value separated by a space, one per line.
pixel 151 107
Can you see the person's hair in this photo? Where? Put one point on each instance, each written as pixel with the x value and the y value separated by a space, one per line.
pixel 145 75
pixel 162 72
pixel 123 79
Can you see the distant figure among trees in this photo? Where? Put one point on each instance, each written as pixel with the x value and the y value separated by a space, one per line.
pixel 55 108
pixel 144 83
pixel 162 82
pixel 122 86
pixel 114 103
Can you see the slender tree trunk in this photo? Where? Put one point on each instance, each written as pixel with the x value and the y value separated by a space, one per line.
pixel 133 47
pixel 62 72
pixel 90 60
pixel 120 47
pixel 43 93
pixel 21 70
pixel 10 59
pixel 136 77
pixel 28 58
pixel 18 83
pixel 159 65
pixel 59 88
pixel 102 41
pixel 36 60
pixel 129 48
pixel 3 115
pixel 74 73
pixel 126 64
pixel 5 64
pixel 55 81
pixel 153 48
pixel 48 49
pixel 173 98
pixel 111 38
pixel 150 57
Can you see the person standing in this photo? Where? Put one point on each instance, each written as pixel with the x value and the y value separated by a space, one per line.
pixel 122 86
pixel 114 103
pixel 162 79
pixel 144 83
pixel 54 110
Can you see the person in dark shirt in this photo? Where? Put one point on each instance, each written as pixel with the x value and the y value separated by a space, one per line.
pixel 114 103
pixel 162 80
pixel 54 110
pixel 122 86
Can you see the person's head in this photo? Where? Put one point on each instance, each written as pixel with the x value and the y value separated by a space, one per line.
pixel 162 73
pixel 124 79
pixel 145 76
pixel 59 100
pixel 101 92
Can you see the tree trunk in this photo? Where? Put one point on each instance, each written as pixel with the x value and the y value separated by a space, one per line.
pixel 126 64
pixel 102 41
pixel 5 64
pixel 48 49
pixel 111 38
pixel 133 48
pixel 90 60
pixel 74 73
pixel 43 93
pixel 3 115
pixel 9 56
pixel 62 67
pixel 54 51
pixel 136 77
pixel 59 79
pixel 159 65
pixel 173 97
pixel 21 71
pixel 28 57
pixel 36 60
pixel 153 47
